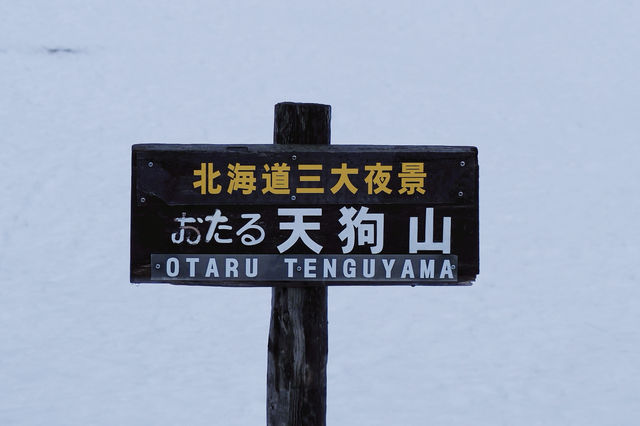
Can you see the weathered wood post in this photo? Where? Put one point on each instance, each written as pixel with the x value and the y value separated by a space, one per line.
pixel 297 362
pixel 427 194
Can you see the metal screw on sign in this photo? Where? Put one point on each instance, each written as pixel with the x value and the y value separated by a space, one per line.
pixel 150 164
pixel 460 194
pixel 294 158
pixel 462 164
pixel 293 197
pixel 142 199
pixel 157 266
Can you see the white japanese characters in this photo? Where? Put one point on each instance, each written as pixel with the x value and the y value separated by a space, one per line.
pixel 250 233
pixel 428 244
pixel 360 227
pixel 370 227
pixel 215 222
pixel 179 237
pixel 299 231
pixel 299 228
pixel 249 239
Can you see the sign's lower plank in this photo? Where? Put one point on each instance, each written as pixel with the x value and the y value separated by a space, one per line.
pixel 260 269
pixel 163 232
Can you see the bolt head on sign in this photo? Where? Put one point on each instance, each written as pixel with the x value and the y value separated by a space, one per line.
pixel 268 215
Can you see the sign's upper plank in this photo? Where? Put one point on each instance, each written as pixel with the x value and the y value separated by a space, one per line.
pixel 305 174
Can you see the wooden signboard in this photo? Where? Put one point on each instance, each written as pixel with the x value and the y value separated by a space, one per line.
pixel 269 215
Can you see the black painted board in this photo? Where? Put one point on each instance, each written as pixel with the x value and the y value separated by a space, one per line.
pixel 172 216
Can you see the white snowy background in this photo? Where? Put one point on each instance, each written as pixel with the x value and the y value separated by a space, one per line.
pixel 547 90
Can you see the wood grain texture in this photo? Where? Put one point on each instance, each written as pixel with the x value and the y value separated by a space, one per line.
pixel 298 339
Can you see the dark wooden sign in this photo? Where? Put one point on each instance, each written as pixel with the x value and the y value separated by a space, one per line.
pixel 265 215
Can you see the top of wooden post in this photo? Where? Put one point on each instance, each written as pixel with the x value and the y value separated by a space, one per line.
pixel 300 123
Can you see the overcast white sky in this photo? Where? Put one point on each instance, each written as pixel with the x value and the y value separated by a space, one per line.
pixel 548 92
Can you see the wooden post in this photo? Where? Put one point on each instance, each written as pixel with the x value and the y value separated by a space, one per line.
pixel 297 365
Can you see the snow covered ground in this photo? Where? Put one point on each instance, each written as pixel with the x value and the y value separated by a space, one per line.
pixel 547 90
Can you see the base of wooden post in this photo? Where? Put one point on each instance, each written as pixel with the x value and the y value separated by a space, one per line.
pixel 298 343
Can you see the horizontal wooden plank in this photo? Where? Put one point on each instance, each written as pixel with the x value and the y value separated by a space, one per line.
pixel 291 174
pixel 238 200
